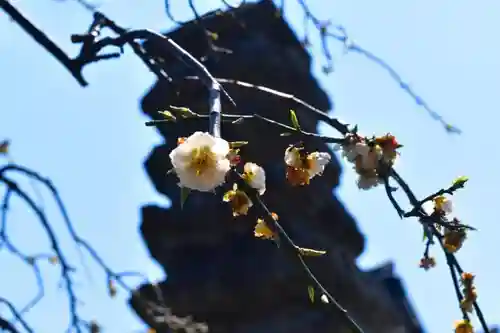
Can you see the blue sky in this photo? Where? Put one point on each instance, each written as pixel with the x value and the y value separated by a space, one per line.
pixel 91 142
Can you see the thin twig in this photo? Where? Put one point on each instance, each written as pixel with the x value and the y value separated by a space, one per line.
pixel 339 34
pixel 32 260
pixel 478 310
pixel 239 119
pixel 64 264
pixel 322 115
pixel 291 246
pixel 167 45
pixel 451 259
pixel 42 39
pixel 456 284
pixel 7 326
pixel 16 315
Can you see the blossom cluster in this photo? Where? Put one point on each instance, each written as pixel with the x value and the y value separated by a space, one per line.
pixel 202 162
pixel 368 155
pixel 454 235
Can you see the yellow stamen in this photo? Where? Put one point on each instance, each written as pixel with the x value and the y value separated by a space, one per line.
pixel 202 159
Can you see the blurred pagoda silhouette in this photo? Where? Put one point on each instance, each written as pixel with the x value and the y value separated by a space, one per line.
pixel 218 273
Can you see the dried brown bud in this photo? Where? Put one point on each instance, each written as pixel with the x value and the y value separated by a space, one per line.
pixel 4 147
pixel 54 260
pixel 94 327
pixel 111 288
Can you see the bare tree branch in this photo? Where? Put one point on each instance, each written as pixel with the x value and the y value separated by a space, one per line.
pixel 386 171
pixel 91 47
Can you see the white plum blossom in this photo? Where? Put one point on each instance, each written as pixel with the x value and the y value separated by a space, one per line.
pixel 370 159
pixel 255 177
pixel 292 157
pixel 348 151
pixel 200 162
pixel 352 151
pixel 314 162
pixel 317 162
